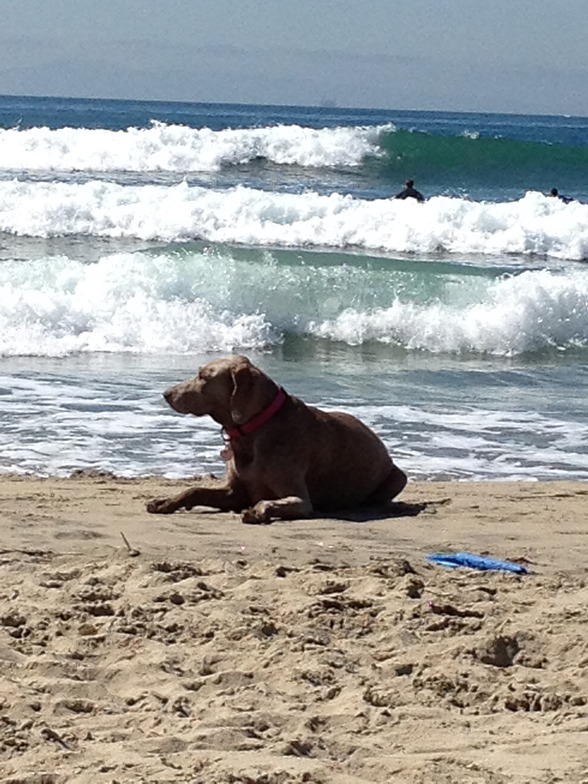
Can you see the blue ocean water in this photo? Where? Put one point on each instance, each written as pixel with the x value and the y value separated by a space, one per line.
pixel 138 240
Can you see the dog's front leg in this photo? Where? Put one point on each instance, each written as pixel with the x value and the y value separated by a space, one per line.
pixel 292 502
pixel 289 508
pixel 224 498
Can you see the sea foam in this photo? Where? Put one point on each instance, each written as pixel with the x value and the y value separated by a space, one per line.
pixel 530 312
pixel 178 148
pixel 534 225
pixel 191 301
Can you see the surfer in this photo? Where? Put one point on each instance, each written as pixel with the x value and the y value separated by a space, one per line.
pixel 556 194
pixel 410 192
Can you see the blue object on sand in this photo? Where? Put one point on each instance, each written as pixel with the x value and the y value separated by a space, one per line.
pixel 453 560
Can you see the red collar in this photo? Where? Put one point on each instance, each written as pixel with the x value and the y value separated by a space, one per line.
pixel 261 419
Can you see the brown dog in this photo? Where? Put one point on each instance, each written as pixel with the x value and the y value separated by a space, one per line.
pixel 284 459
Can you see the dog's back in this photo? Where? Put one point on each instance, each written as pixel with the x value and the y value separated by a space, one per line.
pixel 342 461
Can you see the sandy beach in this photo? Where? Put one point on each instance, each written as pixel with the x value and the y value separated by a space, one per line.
pixel 325 650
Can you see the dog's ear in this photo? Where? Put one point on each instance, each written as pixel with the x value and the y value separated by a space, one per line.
pixel 241 396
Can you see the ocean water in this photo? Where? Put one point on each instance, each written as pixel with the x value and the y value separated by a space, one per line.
pixel 138 240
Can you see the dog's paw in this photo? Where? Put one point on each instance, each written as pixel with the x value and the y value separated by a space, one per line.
pixel 161 506
pixel 256 515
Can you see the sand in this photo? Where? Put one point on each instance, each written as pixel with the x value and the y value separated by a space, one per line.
pixel 325 650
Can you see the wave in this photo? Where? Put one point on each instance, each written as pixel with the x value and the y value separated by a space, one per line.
pixel 473 158
pixel 534 225
pixel 354 159
pixel 201 299
pixel 179 148
pixel 385 151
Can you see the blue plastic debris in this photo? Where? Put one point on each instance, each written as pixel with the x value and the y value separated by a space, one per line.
pixel 453 560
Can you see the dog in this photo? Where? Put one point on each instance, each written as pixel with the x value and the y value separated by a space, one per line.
pixel 284 459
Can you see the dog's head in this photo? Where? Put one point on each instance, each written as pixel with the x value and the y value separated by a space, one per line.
pixel 230 390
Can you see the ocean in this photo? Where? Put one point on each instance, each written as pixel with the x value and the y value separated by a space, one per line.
pixel 139 240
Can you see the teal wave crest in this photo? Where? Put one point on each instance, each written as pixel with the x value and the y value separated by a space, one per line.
pixel 463 160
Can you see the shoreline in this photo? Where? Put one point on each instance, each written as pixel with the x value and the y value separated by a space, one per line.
pixel 87 511
pixel 326 650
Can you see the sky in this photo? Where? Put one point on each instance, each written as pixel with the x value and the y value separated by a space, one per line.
pixel 526 56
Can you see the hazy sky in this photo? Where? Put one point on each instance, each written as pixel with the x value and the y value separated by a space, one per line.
pixel 465 55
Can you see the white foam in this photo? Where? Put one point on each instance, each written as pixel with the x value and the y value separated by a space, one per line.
pixel 61 419
pixel 124 302
pixel 529 312
pixel 199 301
pixel 178 148
pixel 534 225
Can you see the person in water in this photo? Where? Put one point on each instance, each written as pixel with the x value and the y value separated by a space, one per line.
pixel 410 192
pixel 556 194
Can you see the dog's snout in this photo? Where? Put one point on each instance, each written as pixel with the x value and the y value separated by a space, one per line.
pixel 185 398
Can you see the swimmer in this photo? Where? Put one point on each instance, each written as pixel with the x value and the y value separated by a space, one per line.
pixel 410 192
pixel 556 194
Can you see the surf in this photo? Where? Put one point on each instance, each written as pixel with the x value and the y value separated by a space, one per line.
pixel 179 148
pixel 199 298
pixel 535 226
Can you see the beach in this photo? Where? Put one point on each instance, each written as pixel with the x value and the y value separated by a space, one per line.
pixel 140 240
pixel 193 648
